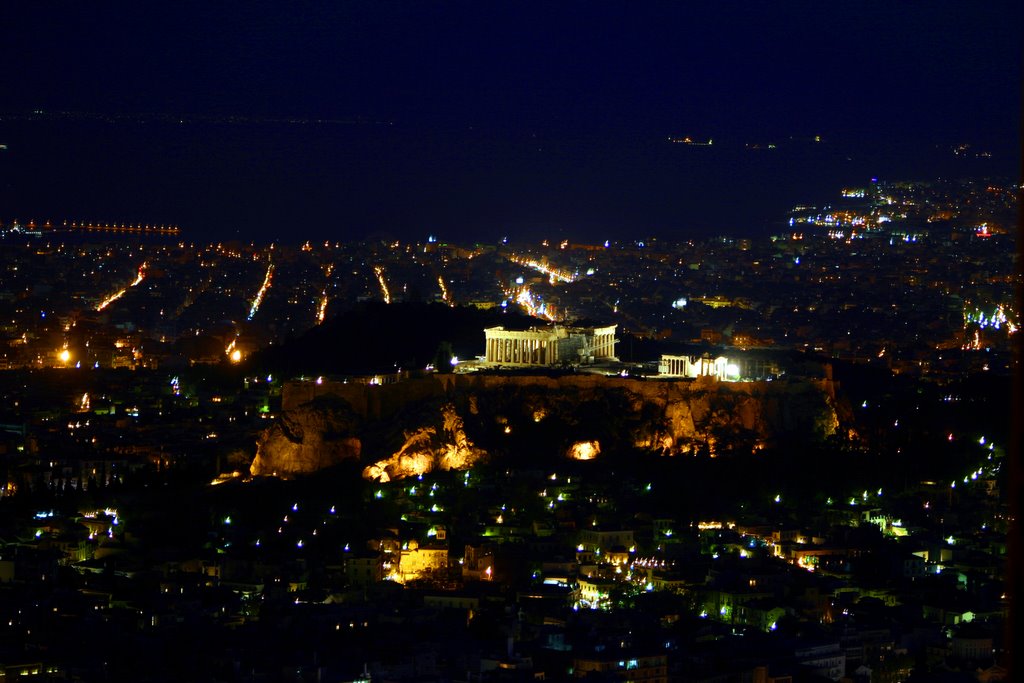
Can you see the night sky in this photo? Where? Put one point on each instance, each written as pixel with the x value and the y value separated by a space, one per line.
pixel 472 120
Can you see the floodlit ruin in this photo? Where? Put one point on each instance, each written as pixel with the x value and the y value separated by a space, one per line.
pixel 429 448
pixel 584 450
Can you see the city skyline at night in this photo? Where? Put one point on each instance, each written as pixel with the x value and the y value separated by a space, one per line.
pixel 505 342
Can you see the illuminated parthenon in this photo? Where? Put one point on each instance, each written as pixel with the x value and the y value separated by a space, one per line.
pixel 549 346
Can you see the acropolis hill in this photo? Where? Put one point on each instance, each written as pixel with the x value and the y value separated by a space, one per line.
pixel 451 421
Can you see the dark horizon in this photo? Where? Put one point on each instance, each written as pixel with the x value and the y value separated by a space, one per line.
pixel 289 183
pixel 471 122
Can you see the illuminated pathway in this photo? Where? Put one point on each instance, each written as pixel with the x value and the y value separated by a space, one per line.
pixel 117 295
pixel 234 354
pixel 445 296
pixel 321 311
pixel 264 288
pixel 522 294
pixel 529 303
pixel 379 271
pixel 554 274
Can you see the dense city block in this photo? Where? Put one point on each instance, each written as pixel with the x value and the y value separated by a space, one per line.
pixel 728 459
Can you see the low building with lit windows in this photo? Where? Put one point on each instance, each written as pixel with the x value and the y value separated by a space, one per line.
pixel 420 561
pixel 618 666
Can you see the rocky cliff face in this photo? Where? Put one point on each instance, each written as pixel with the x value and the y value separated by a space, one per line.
pixel 429 447
pixel 451 422
pixel 317 434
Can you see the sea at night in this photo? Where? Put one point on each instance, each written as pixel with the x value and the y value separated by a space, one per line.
pixel 278 179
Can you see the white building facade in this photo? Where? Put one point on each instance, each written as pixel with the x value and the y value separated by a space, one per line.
pixel 723 368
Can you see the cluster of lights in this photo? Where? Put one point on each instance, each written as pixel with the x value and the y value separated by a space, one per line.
pixel 996 319
pixel 530 303
pixel 973 475
pixel 839 219
pixel 906 238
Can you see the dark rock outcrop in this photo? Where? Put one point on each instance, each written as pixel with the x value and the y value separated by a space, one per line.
pixel 452 421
